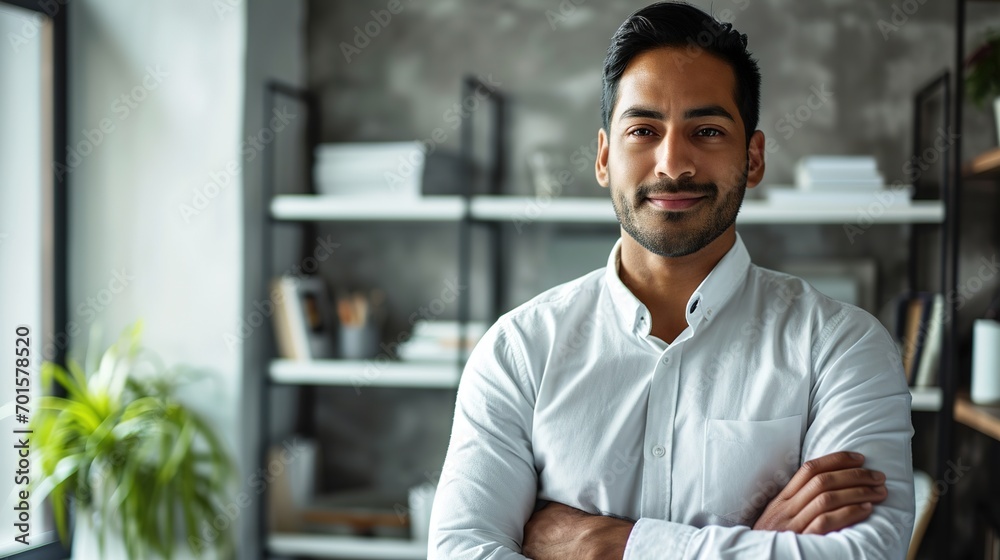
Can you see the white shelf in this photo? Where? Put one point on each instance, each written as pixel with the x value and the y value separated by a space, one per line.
pixel 584 210
pixel 926 399
pixel 917 212
pixel 526 209
pixel 365 373
pixel 332 546
pixel 375 208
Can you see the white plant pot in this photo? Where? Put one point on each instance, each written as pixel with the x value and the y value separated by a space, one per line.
pixel 85 542
pixel 996 113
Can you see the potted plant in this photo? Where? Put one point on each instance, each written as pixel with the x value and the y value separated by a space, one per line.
pixel 136 469
pixel 982 83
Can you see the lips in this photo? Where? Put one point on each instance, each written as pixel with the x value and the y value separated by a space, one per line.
pixel 675 201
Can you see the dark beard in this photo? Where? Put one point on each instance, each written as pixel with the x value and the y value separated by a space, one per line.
pixel 697 235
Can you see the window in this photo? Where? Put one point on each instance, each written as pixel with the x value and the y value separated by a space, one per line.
pixel 32 246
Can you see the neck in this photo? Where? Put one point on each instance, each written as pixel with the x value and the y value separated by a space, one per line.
pixel 665 284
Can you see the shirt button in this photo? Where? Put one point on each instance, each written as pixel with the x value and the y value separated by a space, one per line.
pixel 666 361
pixel 659 451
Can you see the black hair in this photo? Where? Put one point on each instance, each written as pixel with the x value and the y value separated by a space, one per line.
pixel 677 24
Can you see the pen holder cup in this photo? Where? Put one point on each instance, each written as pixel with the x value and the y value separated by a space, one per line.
pixel 358 342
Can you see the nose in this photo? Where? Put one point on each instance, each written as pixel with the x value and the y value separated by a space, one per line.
pixel 674 156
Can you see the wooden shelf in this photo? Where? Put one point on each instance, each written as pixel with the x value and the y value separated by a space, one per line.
pixel 985 419
pixel 299 207
pixel 925 399
pixel 526 209
pixel 984 166
pixel 366 373
pixel 332 546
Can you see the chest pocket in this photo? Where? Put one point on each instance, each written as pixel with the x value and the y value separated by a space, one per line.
pixel 746 464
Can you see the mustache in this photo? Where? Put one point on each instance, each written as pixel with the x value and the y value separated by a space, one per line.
pixel 669 186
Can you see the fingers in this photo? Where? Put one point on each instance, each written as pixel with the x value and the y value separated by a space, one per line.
pixel 833 462
pixel 836 500
pixel 839 519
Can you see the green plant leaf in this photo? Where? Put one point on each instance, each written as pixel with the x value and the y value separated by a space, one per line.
pixel 121 446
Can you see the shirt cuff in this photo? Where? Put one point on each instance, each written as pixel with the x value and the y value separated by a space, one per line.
pixel 655 538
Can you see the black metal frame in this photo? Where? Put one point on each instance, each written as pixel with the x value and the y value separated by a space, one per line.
pixel 941 85
pixel 470 84
pixel 949 380
pixel 469 87
pixel 272 90
pixel 60 213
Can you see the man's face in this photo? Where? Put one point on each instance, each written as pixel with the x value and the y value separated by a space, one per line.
pixel 675 157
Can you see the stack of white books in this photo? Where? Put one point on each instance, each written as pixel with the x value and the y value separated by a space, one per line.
pixel 370 168
pixel 438 341
pixel 838 180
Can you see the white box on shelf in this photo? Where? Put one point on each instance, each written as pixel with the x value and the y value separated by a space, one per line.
pixel 370 168
pixel 885 198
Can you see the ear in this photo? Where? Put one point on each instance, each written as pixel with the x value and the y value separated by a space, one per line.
pixel 601 164
pixel 755 157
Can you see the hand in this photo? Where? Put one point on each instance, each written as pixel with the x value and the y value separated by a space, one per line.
pixel 561 532
pixel 827 494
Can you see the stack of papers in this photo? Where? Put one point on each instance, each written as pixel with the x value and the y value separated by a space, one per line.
pixel 838 173
pixel 839 180
pixel 370 168
pixel 436 341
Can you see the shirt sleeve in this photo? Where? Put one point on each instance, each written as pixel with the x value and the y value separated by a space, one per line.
pixel 488 483
pixel 859 402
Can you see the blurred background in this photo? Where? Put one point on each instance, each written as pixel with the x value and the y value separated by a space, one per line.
pixel 187 125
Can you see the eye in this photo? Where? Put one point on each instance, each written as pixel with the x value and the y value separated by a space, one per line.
pixel 641 131
pixel 709 132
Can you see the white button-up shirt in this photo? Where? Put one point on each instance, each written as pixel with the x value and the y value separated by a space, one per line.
pixel 568 398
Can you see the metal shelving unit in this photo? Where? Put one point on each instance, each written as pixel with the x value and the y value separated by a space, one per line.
pixel 493 211
pixel 310 208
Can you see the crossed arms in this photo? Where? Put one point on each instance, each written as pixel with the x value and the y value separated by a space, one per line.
pixel 485 502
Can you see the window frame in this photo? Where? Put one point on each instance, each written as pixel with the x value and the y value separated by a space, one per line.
pixel 55 213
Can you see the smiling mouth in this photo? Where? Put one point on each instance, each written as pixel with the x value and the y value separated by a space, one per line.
pixel 674 203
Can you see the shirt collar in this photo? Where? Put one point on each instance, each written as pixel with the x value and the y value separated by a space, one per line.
pixel 703 304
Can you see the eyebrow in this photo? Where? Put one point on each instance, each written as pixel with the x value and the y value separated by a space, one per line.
pixel 693 113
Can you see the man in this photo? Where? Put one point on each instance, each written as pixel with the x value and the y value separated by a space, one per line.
pixel 681 402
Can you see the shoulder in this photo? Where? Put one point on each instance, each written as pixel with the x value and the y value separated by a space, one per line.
pixel 556 304
pixel 811 312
